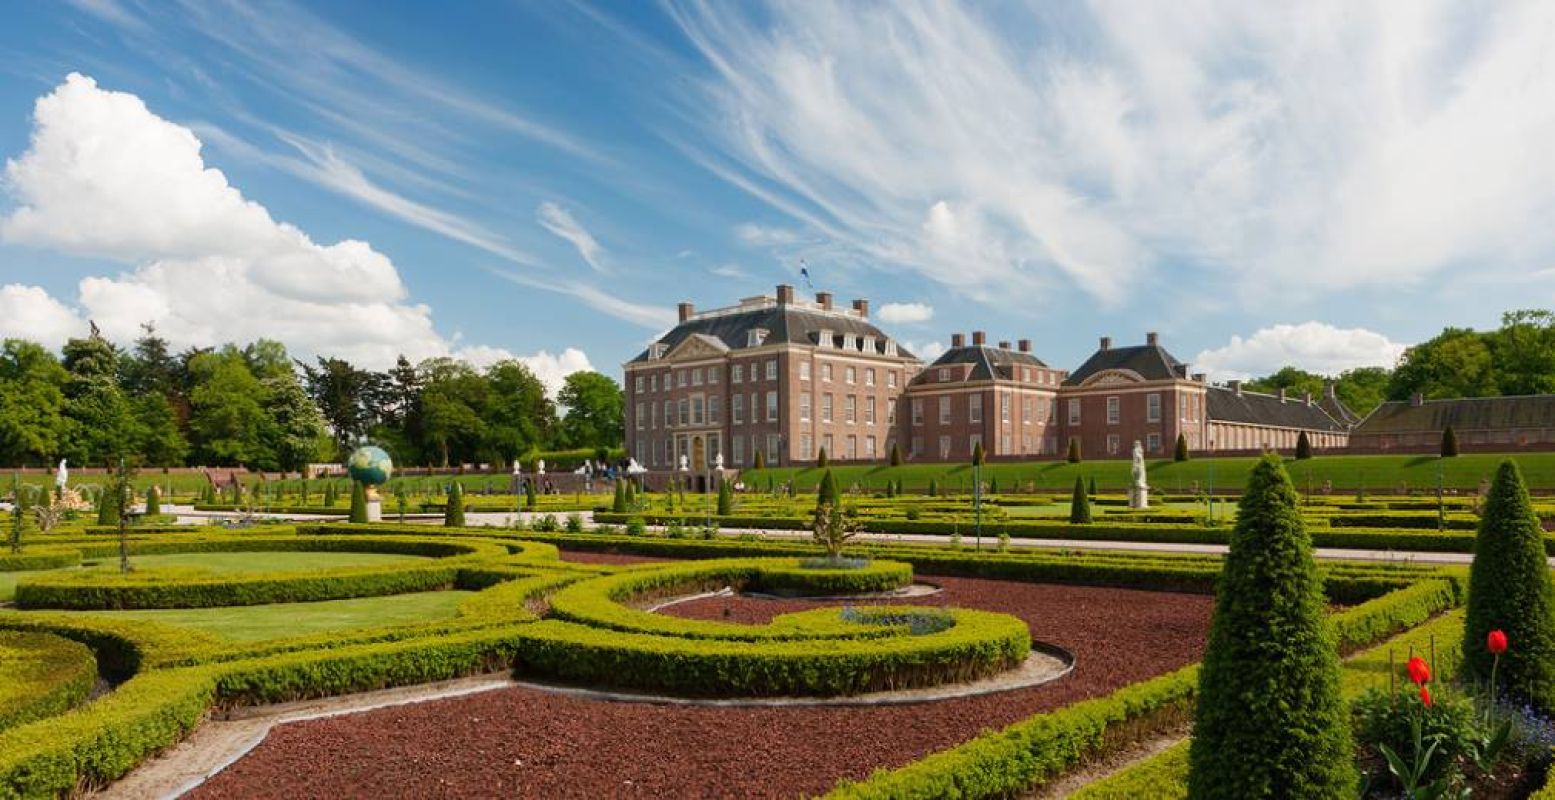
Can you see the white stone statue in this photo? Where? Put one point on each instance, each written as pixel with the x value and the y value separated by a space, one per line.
pixel 62 475
pixel 1138 490
pixel 685 463
pixel 540 467
pixel 634 468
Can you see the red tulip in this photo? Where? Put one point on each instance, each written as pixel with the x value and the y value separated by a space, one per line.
pixel 1496 642
pixel 1419 671
pixel 1425 695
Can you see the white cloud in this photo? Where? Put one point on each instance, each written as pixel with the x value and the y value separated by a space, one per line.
pixel 766 235
pixel 928 351
pixel 905 312
pixel 1305 149
pixel 731 271
pixel 552 370
pixel 560 221
pixel 1312 346
pixel 104 176
pixel 28 312
pixel 647 316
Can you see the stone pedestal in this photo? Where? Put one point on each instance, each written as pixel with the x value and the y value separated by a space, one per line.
pixel 374 510
pixel 1139 497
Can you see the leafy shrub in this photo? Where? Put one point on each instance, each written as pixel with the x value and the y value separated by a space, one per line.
pixel 453 512
pixel 1450 722
pixel 574 523
pixel 636 527
pixel 545 523
pixel 1079 504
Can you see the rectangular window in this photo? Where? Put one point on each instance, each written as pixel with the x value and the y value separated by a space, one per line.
pixel 917 411
pixel 755 412
pixel 869 411
pixel 806 445
pixel 1025 444
pixel 1113 444
pixel 653 382
pixel 917 445
pixel 1153 442
pixel 1153 407
pixel 850 375
pixel 890 380
pixel 772 449
pixel 944 448
pixel 737 447
pixel 712 374
pixel 804 407
pixel 850 409
pixel 944 375
pixel 1004 408
pixel 738 409
pixel 653 415
pixel 637 384
pixel 737 373
pixel 696 410
pixel 1114 410
pixel 641 413
pixel 1027 406
pixel 772 370
pixel 656 452
pixel 826 372
pixel 669 414
pixel 804 370
pixel 944 409
pixel 869 377
pixel 1074 411
pixel 974 408
pixel 682 412
pixel 972 442
pixel 890 411
pixel 696 377
pixel 869 447
pixel 826 408
pixel 680 377
pixel 826 444
pixel 714 410
pixel 1004 444
pixel 852 447
pixel 772 410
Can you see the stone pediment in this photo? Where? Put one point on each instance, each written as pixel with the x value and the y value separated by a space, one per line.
pixel 697 345
pixel 1114 377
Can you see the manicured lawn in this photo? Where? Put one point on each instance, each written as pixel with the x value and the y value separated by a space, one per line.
pixel 1377 474
pixel 285 620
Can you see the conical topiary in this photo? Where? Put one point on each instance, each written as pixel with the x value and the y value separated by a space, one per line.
pixel 822 460
pixel 108 506
pixel 619 504
pixel 153 501
pixel 1181 454
pixel 453 510
pixel 1303 447
pixel 725 499
pixel 760 461
pixel 1270 720
pixel 1074 450
pixel 933 488
pixel 1510 591
pixel 530 501
pixel 826 492
pixel 1079 504
pixel 358 502
pixel 1449 442
pixel 896 454
pixel 977 454
pixel 1093 486
pixel 631 495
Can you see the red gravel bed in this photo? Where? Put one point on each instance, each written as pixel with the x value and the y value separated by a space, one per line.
pixel 586 557
pixel 528 743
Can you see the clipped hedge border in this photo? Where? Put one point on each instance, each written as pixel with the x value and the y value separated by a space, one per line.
pixel 105 591
pixel 49 559
pixel 44 675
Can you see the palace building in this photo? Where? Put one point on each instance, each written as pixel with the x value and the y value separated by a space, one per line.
pixel 785 378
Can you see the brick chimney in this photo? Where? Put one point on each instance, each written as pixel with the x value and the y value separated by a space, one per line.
pixel 1152 338
pixel 862 307
pixel 1004 345
pixel 1106 343
pixel 958 340
pixel 785 294
pixel 686 310
pixel 1330 390
pixel 979 338
pixel 1417 399
pixel 1306 397
pixel 824 300
pixel 1236 386
pixel 1282 394
pixel 1024 345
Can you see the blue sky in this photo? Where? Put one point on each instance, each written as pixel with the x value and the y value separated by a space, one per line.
pixel 1318 185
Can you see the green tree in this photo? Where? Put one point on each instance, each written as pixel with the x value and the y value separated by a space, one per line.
pixel 896 454
pixel 595 407
pixel 977 454
pixel 1181 453
pixel 1363 389
pixel 1510 590
pixel 101 422
pixel 227 414
pixel 110 508
pixel 33 424
pixel 826 492
pixel 822 461
pixel 619 504
pixel 293 426
pixel 1449 442
pixel 760 462
pixel 1092 490
pixel 1270 720
pixel 160 442
pixel 530 500
pixel 517 416
pixel 1074 450
pixel 451 401
pixel 1303 447
pixel 358 503
pixel 453 511
pixel 153 501
pixel 1524 350
pixel 1079 504
pixel 342 394
pixel 1293 380
pixel 1455 363
pixel 725 499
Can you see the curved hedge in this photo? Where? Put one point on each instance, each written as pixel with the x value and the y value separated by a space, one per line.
pixel 44 675
pixel 200 589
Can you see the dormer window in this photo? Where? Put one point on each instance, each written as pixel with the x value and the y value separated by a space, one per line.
pixel 890 347
pixel 869 344
pixel 656 351
pixel 755 336
pixel 849 341
pixel 823 339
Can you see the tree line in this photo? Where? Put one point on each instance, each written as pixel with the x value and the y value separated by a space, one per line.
pixel 1517 358
pixel 254 406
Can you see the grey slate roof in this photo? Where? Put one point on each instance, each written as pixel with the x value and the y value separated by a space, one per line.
pixel 1463 414
pixel 783 324
pixel 1256 408
pixel 987 363
pixel 1150 361
pixel 1338 410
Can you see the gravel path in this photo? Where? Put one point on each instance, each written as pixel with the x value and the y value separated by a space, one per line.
pixel 529 743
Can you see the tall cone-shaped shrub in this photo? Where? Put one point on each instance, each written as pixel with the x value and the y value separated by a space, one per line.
pixel 453 512
pixel 1303 447
pixel 1181 454
pixel 896 455
pixel 108 506
pixel 619 504
pixel 358 502
pixel 1510 590
pixel 530 502
pixel 1449 442
pixel 725 499
pixel 1079 504
pixel 1074 451
pixel 153 501
pixel 1270 721
pixel 826 493
pixel 822 460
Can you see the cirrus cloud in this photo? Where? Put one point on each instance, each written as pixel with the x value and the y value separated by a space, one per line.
pixel 905 312
pixel 1313 346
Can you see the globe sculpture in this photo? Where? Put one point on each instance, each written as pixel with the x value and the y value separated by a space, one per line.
pixel 370 465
